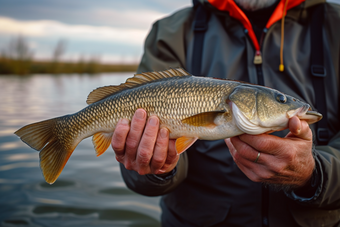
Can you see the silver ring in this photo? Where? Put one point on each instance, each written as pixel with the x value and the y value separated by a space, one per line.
pixel 257 158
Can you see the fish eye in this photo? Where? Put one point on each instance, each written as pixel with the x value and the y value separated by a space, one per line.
pixel 281 98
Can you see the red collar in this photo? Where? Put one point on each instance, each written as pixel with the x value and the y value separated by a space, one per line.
pixel 234 11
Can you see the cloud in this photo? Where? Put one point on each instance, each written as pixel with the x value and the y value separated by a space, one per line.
pixel 99 13
pixel 47 28
pixel 112 29
pixel 142 19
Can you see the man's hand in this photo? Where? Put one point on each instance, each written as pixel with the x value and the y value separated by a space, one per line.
pixel 282 161
pixel 143 147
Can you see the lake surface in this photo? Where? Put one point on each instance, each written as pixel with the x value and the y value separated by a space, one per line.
pixel 90 190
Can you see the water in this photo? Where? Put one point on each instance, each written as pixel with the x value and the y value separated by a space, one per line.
pixel 90 190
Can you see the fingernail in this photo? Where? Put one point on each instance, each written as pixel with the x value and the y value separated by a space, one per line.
pixel 298 130
pixel 153 121
pixel 140 114
pixel 164 133
pixel 124 121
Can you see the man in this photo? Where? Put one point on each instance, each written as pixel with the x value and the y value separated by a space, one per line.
pixel 265 180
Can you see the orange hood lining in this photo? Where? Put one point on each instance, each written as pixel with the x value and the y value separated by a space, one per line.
pixel 235 12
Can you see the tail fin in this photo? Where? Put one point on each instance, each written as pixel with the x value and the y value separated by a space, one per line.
pixel 54 150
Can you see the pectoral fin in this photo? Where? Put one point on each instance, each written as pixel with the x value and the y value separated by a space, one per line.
pixel 101 142
pixel 183 143
pixel 205 119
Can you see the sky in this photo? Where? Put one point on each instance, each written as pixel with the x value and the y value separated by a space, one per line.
pixel 113 30
pixel 110 29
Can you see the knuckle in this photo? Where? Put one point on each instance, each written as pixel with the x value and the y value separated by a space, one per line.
pixel 143 161
pixel 278 169
pixel 142 172
pixel 117 147
pixel 132 143
pixel 237 156
pixel 120 132
pixel 122 128
pixel 156 161
pixel 143 158
pixel 162 142
pixel 128 166
pixel 119 158
pixel 171 157
pixel 146 147
pixel 150 133
pixel 290 156
pixel 138 128
pixel 137 124
pixel 265 176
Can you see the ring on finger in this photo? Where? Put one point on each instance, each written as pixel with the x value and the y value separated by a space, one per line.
pixel 257 158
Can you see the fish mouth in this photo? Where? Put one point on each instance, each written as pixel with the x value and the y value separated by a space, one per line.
pixel 305 113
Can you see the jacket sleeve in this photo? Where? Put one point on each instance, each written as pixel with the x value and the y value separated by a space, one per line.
pixel 164 47
pixel 327 193
pixel 327 158
pixel 155 185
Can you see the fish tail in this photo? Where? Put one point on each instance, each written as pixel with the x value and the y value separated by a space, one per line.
pixel 55 150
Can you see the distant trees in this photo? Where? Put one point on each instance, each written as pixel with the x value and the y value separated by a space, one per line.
pixel 18 58
pixel 58 52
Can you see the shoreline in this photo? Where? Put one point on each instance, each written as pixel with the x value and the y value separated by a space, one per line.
pixel 28 67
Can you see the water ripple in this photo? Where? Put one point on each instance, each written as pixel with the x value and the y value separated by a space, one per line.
pixel 11 145
pixel 21 157
pixel 89 192
pixel 19 165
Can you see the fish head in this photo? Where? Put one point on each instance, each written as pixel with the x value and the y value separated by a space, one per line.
pixel 258 109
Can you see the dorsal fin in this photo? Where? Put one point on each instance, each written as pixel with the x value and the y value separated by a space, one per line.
pixel 137 80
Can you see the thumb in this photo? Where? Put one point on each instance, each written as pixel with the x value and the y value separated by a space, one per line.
pixel 299 129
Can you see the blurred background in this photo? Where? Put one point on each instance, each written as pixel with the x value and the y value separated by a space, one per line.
pixel 79 31
pixel 52 55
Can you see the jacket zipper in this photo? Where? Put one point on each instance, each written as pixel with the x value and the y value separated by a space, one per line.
pixel 258 60
pixel 260 80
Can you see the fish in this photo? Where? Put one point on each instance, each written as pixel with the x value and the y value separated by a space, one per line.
pixel 190 107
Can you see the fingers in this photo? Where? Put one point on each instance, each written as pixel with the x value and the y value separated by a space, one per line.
pixel 244 156
pixel 230 146
pixel 119 138
pixel 172 157
pixel 165 156
pixel 299 129
pixel 146 146
pixel 242 152
pixel 294 125
pixel 135 134
pixel 241 159
pixel 160 153
pixel 268 144
pixel 282 160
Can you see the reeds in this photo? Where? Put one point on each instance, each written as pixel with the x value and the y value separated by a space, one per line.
pixel 19 59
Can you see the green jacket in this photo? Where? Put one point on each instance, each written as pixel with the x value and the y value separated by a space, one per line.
pixel 207 188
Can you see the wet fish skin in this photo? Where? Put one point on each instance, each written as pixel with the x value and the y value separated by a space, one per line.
pixel 190 107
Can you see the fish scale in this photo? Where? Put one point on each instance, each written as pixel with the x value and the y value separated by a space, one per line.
pixel 189 107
